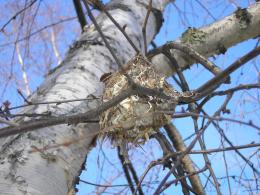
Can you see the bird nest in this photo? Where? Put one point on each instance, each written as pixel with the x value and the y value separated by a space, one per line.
pixel 136 118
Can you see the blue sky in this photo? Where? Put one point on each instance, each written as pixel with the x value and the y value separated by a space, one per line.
pixel 103 163
pixel 172 29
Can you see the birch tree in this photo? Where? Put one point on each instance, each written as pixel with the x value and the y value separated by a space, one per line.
pixel 44 144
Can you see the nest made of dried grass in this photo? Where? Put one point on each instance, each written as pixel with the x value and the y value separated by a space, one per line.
pixel 136 118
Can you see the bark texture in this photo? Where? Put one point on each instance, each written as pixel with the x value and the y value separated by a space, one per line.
pixel 53 171
pixel 215 38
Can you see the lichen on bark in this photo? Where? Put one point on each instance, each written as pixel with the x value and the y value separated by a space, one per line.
pixel 243 17
pixel 193 35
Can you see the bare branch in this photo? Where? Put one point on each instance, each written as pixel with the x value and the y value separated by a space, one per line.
pixel 212 84
pixel 126 171
pixel 219 36
pixel 39 30
pixel 189 51
pixel 149 9
pixel 218 118
pixel 81 16
pixel 195 173
pixel 101 34
pixel 178 143
pixel 16 14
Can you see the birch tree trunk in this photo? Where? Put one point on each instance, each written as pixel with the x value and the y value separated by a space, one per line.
pixel 53 171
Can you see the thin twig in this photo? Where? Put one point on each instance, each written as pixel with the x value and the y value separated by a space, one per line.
pixel 39 30
pixel 16 14
pixel 189 148
pixel 195 173
pixel 135 177
pixel 47 114
pixel 202 144
pixel 106 186
pixel 206 9
pixel 218 118
pixel 82 117
pixel 174 63
pixel 195 181
pixel 240 87
pixel 126 171
pixel 226 168
pixel 54 102
pixel 179 145
pixel 231 90
pixel 22 95
pixel 221 131
pixel 218 79
pixel 102 34
pixel 209 151
pixel 149 9
pixel 81 16
pixel 167 148
pixel 189 51
pixel 192 144
pixel 103 8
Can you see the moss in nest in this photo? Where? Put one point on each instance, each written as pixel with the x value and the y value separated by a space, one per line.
pixel 244 17
pixel 136 118
pixel 193 35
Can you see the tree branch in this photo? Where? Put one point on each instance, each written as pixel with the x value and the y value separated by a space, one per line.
pixel 218 37
pixel 81 16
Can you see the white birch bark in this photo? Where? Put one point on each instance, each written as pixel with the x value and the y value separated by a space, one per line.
pixel 214 38
pixel 52 172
